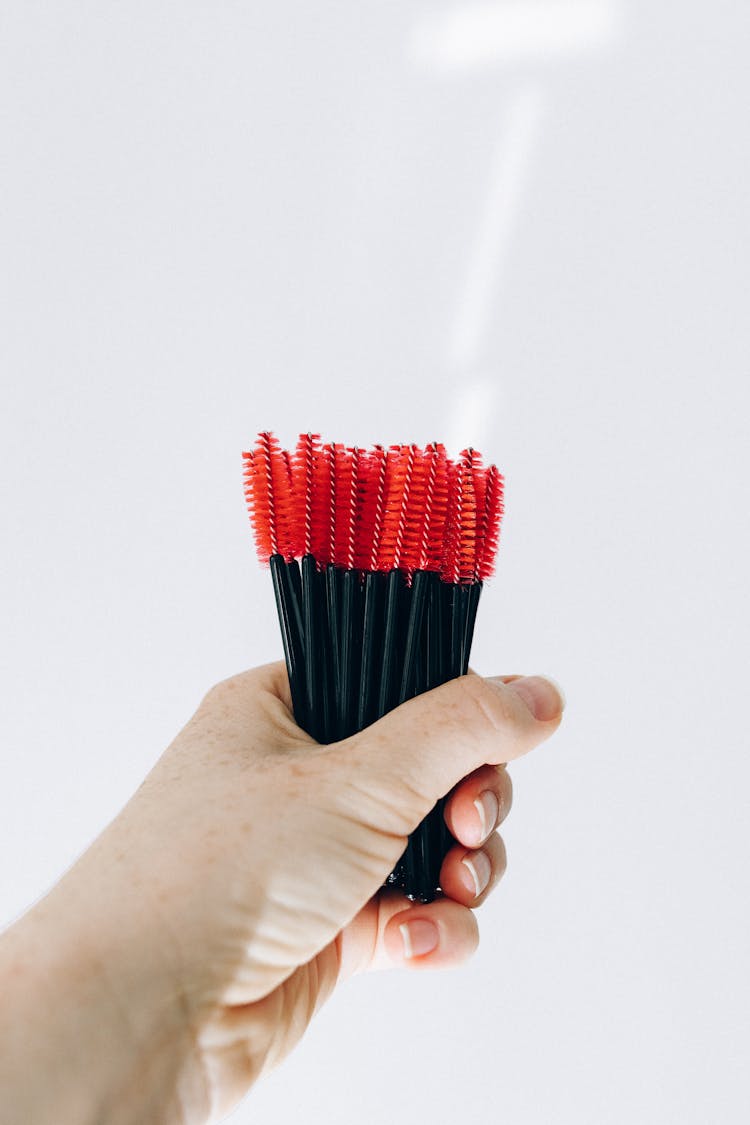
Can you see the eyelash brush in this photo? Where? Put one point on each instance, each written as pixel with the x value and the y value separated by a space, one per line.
pixel 377 558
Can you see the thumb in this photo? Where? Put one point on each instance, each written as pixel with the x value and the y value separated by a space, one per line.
pixel 425 746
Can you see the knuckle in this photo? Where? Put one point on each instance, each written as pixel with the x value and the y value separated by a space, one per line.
pixel 483 703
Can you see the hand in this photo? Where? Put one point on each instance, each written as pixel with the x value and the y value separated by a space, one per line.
pixel 242 881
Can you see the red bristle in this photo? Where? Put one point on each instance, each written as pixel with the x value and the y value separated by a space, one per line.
pixel 421 501
pixel 468 545
pixel 399 471
pixel 323 500
pixel 473 460
pixel 437 505
pixel 286 510
pixel 450 566
pixel 415 512
pixel 460 538
pixel 430 466
pixel 363 509
pixel 343 515
pixel 405 505
pixel 493 514
pixel 256 511
pixel 354 486
pixel 302 490
pixel 408 508
pixel 391 511
pixel 478 474
pixel 268 453
pixel 332 494
pixel 371 507
pixel 262 482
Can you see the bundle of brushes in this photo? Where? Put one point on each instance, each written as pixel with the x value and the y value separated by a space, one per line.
pixel 378 559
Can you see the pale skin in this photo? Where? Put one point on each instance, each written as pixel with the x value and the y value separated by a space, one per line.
pixel 187 950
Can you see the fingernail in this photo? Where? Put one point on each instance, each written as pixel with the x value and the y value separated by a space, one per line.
pixel 419 937
pixel 488 810
pixel 542 696
pixel 477 872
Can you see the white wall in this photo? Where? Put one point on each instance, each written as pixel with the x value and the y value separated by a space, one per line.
pixel 523 224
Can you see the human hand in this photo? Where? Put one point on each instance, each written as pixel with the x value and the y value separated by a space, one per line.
pixel 242 880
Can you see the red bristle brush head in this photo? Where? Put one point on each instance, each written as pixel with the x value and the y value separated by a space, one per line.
pixel 407 508
pixel 262 479
pixel 323 523
pixel 459 561
pixel 368 476
pixel 468 537
pixel 416 514
pixel 260 522
pixel 303 477
pixel 286 508
pixel 436 500
pixel 493 514
pixel 473 463
pixel 398 480
pixel 268 486
pixel 357 467
pixel 372 494
pixel 345 476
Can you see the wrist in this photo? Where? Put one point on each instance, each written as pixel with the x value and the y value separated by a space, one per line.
pixel 93 1025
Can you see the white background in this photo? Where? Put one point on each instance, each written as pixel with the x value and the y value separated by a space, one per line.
pixel 520 224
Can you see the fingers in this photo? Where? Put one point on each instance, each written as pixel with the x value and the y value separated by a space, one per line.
pixel 468 875
pixel 473 811
pixel 424 747
pixel 479 804
pixel 436 935
pixel 392 932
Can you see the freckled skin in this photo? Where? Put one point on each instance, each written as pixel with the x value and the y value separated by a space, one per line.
pixel 203 929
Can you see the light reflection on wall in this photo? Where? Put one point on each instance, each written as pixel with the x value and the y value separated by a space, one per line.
pixel 476 35
pixel 519 129
pixel 515 38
